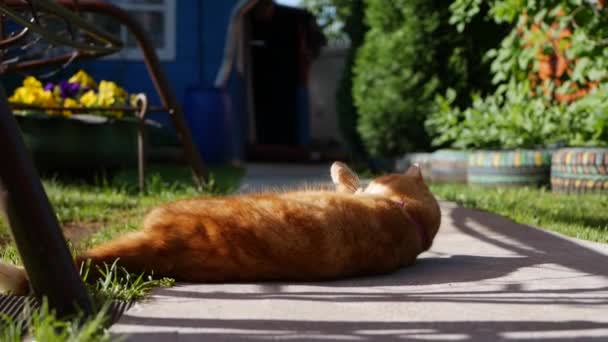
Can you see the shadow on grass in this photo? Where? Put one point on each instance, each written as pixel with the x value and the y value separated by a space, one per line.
pixel 578 215
pixel 590 220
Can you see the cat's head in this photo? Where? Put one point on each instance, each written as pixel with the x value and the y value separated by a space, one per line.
pixel 408 188
pixel 396 186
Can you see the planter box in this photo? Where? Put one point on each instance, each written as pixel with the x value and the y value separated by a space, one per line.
pixel 509 168
pixel 449 166
pixel 79 141
pixel 580 170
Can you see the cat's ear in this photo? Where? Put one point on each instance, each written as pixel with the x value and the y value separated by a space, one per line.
pixel 414 171
pixel 345 179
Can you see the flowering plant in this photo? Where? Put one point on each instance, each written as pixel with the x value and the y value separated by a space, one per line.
pixel 550 73
pixel 79 91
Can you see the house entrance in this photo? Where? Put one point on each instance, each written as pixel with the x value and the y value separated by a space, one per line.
pixel 283 41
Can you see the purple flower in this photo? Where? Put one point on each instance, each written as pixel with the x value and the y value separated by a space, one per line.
pixel 68 89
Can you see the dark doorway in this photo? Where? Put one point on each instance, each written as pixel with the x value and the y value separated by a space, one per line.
pixel 275 66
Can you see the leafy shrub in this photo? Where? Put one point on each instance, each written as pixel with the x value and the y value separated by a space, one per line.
pixel 551 75
pixel 412 52
pixel 392 84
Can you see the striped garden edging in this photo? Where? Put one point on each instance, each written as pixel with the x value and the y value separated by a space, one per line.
pixel 509 168
pixel 580 170
pixel 449 166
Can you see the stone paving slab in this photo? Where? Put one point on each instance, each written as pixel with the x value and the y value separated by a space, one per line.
pixel 485 279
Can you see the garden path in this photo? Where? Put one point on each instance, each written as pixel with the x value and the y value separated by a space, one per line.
pixel 485 279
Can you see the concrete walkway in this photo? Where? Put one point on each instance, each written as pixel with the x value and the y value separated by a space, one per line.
pixel 485 279
pixel 284 176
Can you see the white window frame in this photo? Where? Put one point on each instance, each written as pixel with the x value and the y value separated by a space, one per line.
pixel 166 53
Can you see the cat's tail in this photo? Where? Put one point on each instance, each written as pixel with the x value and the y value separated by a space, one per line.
pixel 13 280
pixel 136 252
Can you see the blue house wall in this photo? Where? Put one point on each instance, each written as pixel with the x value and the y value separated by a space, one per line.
pixel 201 28
pixel 200 36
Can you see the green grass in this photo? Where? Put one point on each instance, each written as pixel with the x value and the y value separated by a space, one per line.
pixel 582 216
pixel 95 213
pixel 115 283
pixel 45 326
pixel 117 206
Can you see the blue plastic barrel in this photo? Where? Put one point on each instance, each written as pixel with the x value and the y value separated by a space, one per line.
pixel 209 116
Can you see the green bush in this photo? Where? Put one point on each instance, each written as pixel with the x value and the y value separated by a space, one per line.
pixel 410 54
pixel 393 78
pixel 528 110
pixel 514 119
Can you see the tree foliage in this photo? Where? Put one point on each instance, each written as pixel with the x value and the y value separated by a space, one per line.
pixel 410 54
pixel 332 16
pixel 550 74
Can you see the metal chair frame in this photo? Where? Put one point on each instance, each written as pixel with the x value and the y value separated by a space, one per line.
pixel 33 223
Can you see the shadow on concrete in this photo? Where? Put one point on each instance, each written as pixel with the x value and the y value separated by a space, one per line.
pixel 529 246
pixel 535 245
pixel 510 294
pixel 427 271
pixel 265 330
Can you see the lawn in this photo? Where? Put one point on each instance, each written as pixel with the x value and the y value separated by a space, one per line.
pixel 92 213
pixel 583 216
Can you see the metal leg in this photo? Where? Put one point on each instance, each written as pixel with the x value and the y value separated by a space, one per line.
pixel 41 244
pixel 142 104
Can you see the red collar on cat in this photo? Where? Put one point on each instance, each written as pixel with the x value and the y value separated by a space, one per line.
pixel 424 236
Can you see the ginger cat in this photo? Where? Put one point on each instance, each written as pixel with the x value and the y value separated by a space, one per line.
pixel 302 235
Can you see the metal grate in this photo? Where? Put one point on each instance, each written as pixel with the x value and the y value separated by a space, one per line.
pixel 14 308
pixel 118 308
pixel 19 309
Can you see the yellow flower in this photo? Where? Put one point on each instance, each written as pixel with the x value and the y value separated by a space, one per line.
pixel 111 95
pixel 105 100
pixel 18 95
pixel 70 103
pixel 89 99
pixel 47 99
pixel 109 89
pixel 57 91
pixel 31 94
pixel 32 82
pixel 83 79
